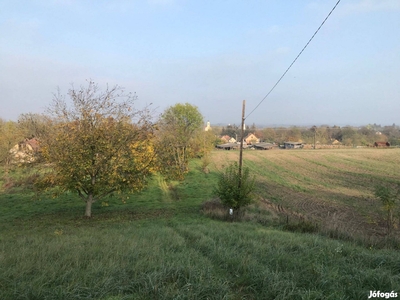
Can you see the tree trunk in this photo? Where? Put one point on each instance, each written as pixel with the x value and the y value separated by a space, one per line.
pixel 89 202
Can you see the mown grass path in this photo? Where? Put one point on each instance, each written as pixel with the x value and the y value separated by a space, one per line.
pixel 190 259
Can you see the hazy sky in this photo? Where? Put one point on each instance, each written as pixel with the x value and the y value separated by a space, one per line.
pixel 212 54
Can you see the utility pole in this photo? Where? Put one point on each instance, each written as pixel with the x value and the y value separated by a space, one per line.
pixel 241 146
pixel 315 133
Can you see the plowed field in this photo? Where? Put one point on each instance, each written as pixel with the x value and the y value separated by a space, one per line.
pixel 333 186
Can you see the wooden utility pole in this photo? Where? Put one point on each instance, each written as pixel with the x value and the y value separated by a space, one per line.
pixel 314 129
pixel 241 146
pixel 315 134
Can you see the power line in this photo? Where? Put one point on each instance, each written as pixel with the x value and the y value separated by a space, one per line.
pixel 294 60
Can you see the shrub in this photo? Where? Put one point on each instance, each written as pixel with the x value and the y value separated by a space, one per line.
pixel 235 191
pixel 389 196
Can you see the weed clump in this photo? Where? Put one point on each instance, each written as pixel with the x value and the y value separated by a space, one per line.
pixel 215 209
pixel 303 226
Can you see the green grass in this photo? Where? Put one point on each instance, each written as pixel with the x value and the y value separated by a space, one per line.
pixel 192 258
pixel 159 246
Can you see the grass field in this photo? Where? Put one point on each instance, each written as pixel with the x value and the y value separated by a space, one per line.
pixel 333 187
pixel 158 244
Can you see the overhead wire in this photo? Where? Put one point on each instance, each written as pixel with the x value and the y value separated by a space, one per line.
pixel 283 75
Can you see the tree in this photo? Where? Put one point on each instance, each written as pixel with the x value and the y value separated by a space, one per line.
pixel 204 143
pixel 235 191
pixel 179 126
pixel 99 145
pixel 269 135
pixel 280 135
pixel 33 125
pixel 350 136
pixel 293 134
pixel 231 130
pixel 322 135
pixel 314 129
pixel 10 134
pixel 336 133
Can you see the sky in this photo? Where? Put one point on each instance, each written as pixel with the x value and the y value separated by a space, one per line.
pixel 211 53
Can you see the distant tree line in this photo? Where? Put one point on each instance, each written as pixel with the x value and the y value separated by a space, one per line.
pixel 324 134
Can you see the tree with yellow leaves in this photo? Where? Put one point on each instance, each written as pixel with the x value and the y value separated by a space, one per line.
pixel 98 145
pixel 10 135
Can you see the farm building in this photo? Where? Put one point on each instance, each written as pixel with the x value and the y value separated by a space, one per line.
pixel 293 145
pixel 263 146
pixel 228 146
pixel 381 144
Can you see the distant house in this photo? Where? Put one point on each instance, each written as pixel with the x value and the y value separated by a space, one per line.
pixel 25 150
pixel 251 139
pixel 228 146
pixel 263 146
pixel 293 145
pixel 381 144
pixel 232 140
pixel 225 138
